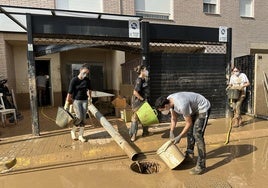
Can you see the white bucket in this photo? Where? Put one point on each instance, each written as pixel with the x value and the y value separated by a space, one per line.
pixel 170 154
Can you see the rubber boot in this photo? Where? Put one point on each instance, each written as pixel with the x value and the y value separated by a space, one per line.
pixel 146 131
pixel 235 122
pixel 239 121
pixel 133 131
pixel 81 133
pixel 73 134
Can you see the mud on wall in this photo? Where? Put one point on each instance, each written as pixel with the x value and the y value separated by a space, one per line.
pixel 22 81
pixel 260 97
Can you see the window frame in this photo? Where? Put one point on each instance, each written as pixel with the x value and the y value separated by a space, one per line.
pixel 67 5
pixel 156 15
pixel 251 7
pixel 216 3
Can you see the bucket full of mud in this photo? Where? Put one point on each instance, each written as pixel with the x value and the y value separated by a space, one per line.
pixel 147 115
pixel 170 154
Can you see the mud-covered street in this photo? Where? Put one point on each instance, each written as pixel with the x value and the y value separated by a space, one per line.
pixel 238 164
pixel 54 160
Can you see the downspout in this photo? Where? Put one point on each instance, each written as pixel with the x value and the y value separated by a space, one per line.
pixel 228 63
pixel 132 154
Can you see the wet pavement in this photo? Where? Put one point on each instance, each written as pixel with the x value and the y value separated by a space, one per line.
pixel 100 162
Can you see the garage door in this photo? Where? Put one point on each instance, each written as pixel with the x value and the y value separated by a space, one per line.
pixel 201 73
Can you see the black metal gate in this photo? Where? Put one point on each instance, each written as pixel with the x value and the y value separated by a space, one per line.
pixel 247 66
pixel 201 73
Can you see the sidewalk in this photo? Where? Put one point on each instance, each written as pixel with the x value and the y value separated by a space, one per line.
pixel 21 151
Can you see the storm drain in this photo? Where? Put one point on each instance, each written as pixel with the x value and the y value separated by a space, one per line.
pixel 146 167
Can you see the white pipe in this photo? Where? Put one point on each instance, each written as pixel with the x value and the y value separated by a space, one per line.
pixel 114 134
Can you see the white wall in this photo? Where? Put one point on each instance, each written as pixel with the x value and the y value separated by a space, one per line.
pixel 21 70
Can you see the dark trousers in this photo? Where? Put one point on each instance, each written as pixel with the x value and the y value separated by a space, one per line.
pixel 196 135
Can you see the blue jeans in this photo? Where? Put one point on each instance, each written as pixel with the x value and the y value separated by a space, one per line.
pixel 80 109
pixel 196 135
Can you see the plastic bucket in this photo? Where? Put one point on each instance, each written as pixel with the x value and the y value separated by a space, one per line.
pixel 63 118
pixel 233 94
pixel 147 115
pixel 170 154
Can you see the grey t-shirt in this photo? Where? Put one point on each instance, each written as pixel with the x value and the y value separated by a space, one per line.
pixel 189 103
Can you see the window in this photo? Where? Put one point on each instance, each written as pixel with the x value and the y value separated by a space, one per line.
pixel 160 9
pixel 80 5
pixel 211 6
pixel 246 8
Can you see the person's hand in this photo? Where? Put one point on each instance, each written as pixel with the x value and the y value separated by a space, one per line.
pixel 66 105
pixel 69 100
pixel 171 135
pixel 89 100
pixel 177 139
pixel 241 88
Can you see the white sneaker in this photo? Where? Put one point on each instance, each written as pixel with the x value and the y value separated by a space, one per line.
pixel 73 134
pixel 81 133
pixel 81 138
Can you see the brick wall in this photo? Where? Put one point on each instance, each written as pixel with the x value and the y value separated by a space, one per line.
pixel 30 3
pixel 3 67
pixel 125 7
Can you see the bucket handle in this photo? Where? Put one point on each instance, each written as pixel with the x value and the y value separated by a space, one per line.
pixel 169 144
pixel 166 147
pixel 155 111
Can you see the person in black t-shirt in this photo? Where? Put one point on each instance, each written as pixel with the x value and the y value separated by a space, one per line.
pixel 140 95
pixel 78 94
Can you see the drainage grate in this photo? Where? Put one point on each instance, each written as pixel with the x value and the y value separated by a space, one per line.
pixel 145 167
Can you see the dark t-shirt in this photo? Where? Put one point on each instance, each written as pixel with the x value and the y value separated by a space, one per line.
pixel 141 87
pixel 78 88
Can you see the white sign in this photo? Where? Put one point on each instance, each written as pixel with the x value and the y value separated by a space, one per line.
pixel 222 34
pixel 134 29
pixel 30 47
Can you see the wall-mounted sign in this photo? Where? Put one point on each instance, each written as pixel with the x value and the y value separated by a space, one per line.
pixel 134 28
pixel 222 34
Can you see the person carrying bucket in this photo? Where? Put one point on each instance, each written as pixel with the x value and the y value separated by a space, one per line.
pixel 238 81
pixel 140 95
pixel 79 93
pixel 195 109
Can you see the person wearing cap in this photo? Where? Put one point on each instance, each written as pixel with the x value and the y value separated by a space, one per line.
pixel 238 81
pixel 79 93
pixel 195 109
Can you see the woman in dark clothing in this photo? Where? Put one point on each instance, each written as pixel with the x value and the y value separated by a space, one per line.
pixel 78 94
pixel 140 95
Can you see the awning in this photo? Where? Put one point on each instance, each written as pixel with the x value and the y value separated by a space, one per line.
pixel 13 18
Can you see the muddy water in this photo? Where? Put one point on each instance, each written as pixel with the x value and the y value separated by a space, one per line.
pixel 238 164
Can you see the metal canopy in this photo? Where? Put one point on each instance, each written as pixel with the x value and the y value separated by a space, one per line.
pixel 18 14
pixel 51 24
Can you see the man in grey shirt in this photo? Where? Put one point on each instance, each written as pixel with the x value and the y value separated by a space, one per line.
pixel 195 109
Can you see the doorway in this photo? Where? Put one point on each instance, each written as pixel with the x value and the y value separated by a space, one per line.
pixel 44 94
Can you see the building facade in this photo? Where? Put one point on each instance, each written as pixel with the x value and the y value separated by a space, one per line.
pixel 247 18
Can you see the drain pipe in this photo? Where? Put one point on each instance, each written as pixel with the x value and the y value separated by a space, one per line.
pixel 132 154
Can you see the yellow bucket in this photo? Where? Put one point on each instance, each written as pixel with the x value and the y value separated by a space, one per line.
pixel 170 154
pixel 147 115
